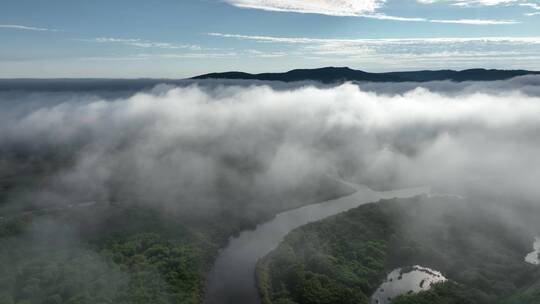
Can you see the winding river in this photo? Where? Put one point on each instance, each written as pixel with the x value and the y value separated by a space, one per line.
pixel 232 280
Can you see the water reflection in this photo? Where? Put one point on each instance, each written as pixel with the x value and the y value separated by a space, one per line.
pixel 402 281
pixel 533 257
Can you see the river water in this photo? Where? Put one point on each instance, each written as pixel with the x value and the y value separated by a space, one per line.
pixel 232 280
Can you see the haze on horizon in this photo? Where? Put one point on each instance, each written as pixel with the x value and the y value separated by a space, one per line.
pixel 179 39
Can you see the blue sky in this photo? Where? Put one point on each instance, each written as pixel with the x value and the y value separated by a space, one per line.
pixel 182 38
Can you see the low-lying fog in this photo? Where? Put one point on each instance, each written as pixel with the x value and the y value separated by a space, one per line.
pixel 199 148
pixel 195 146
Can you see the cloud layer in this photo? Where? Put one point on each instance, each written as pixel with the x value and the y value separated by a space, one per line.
pixel 471 2
pixel 410 52
pixel 197 149
pixel 325 7
pixel 366 8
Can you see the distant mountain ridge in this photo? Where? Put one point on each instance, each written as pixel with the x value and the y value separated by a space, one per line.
pixel 342 74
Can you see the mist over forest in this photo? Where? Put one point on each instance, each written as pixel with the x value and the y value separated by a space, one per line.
pixel 187 146
pixel 127 189
pixel 270 152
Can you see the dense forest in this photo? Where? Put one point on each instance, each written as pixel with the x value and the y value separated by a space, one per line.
pixel 95 252
pixel 122 249
pixel 114 250
pixel 144 258
pixel 343 259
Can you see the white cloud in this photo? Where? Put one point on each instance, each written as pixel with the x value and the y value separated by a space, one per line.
pixel 380 16
pixel 135 42
pixel 534 6
pixel 114 58
pixel 324 7
pixel 471 2
pixel 383 41
pixel 26 28
pixel 191 55
pixel 112 40
pixel 360 8
pixel 363 8
pixel 405 52
pixel 198 148
pixel 190 51
pixel 467 3
pixel 195 55
pixel 475 21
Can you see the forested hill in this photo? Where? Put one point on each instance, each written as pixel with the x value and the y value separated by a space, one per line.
pixel 341 74
pixel 344 258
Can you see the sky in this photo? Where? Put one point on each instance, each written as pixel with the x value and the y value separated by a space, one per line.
pixel 184 38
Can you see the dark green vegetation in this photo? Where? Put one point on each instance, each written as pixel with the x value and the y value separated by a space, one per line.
pixel 443 293
pixel 143 257
pixel 109 251
pixel 327 262
pixel 108 254
pixel 344 259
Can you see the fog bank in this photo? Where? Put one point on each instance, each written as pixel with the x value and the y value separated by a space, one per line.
pixel 196 148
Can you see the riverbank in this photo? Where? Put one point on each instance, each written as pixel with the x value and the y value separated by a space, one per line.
pixel 151 255
pixel 233 278
pixel 343 259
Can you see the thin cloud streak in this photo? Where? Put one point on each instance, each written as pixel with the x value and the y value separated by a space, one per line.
pixel 446 40
pixel 469 3
pixel 477 3
pixel 350 8
pixel 140 43
pixel 533 6
pixel 26 28
pixel 192 55
pixel 448 21
pixel 475 21
pixel 323 7
pixel 406 51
